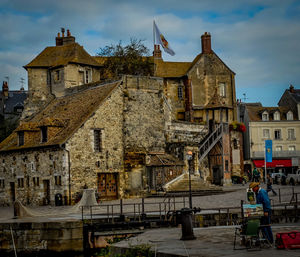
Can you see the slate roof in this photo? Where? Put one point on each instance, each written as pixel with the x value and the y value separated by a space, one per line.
pixel 16 98
pixel 66 113
pixel 255 112
pixel 55 56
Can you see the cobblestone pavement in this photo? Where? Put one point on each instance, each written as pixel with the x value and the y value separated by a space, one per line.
pixel 231 197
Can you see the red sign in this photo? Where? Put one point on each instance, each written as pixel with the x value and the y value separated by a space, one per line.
pixel 273 164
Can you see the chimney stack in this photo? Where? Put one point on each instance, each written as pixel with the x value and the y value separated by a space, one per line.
pixel 157 52
pixel 206 43
pixel 5 89
pixel 60 41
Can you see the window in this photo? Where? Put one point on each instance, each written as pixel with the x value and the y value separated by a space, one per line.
pixel 291 134
pixel 278 148
pixel 57 180
pixel 98 140
pixel 276 115
pixel 277 134
pixel 44 134
pixel 266 133
pixel 265 116
pixel 2 183
pixel 21 182
pixel 292 148
pixel 21 138
pixel 36 181
pixel 222 89
pixel 180 92
pixel 88 76
pixel 289 115
pixel 57 75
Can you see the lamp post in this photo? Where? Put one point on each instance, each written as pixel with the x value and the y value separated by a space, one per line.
pixel 189 157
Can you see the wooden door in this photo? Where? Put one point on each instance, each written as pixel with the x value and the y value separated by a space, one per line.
pixel 107 185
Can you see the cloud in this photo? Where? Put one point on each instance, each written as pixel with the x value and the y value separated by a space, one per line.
pixel 256 39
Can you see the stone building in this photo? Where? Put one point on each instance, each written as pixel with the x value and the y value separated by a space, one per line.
pixel 11 108
pixel 56 69
pixel 125 138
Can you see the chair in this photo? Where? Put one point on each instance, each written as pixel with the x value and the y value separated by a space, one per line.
pixel 249 235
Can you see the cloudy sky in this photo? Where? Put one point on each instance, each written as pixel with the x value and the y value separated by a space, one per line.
pixel 258 39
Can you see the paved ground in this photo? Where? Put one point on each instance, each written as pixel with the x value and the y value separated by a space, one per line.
pixel 231 197
pixel 209 242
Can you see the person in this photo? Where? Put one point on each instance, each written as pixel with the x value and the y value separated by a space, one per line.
pixel 256 175
pixel 269 185
pixel 265 221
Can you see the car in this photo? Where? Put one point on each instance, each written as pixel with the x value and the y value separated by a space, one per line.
pixel 278 177
pixel 293 179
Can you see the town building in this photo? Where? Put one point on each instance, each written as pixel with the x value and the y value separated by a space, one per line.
pixel 130 137
pixel 11 107
pixel 281 125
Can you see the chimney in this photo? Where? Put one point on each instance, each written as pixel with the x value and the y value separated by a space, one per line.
pixel 206 43
pixel 157 52
pixel 60 41
pixel 5 89
pixel 292 89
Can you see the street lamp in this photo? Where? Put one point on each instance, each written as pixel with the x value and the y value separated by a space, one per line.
pixel 189 157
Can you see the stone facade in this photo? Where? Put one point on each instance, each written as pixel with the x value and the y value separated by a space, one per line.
pixel 34 176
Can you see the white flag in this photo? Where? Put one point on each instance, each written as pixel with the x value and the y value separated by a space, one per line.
pixel 160 39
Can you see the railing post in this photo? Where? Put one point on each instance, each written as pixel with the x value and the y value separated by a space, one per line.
pixel 242 209
pixel 143 205
pixel 121 206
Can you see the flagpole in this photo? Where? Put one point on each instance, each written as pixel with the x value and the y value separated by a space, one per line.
pixel 153 49
pixel 265 177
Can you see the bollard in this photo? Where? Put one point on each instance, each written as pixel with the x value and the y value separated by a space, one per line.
pixel 187 224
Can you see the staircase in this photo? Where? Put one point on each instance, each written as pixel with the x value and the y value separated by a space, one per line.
pixel 210 141
pixel 181 183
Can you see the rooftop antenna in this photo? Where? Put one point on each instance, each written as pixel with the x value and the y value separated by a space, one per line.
pixel 7 77
pixel 22 82
pixel 244 98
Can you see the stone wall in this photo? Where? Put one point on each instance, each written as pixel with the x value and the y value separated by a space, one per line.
pixel 27 171
pixel 144 122
pixel 41 237
pixel 38 92
pixel 85 162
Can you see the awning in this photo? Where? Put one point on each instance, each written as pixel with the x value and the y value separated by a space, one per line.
pixel 275 163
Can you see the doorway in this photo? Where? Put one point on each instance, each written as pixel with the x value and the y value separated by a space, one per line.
pixel 107 186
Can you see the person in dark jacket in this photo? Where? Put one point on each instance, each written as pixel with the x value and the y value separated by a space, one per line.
pixel 263 198
pixel 269 185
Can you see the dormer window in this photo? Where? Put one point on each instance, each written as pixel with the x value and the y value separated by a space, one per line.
pixel 276 115
pixel 44 132
pixel 265 116
pixel 21 138
pixel 289 115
